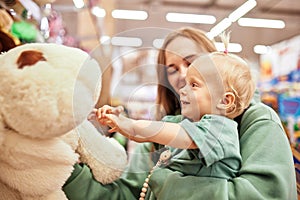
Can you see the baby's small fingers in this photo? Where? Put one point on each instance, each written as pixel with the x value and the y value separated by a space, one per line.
pixel 112 125
pixel 112 130
pixel 101 112
pixel 98 112
pixel 102 121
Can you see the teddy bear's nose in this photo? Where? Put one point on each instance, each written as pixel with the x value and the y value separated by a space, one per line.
pixel 29 58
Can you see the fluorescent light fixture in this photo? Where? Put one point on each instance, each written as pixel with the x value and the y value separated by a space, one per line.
pixel 261 49
pixel 232 47
pixel 78 3
pixel 242 10
pixel 127 41
pixel 263 23
pixel 130 14
pixel 219 28
pixel 157 43
pixel 98 12
pixel 190 18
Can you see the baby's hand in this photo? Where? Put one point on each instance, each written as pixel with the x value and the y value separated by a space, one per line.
pixel 110 116
pixel 123 125
pixel 105 110
pixel 101 112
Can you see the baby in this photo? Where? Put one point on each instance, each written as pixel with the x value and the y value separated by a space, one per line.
pixel 203 140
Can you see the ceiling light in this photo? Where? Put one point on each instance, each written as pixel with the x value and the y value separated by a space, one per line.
pixel 130 14
pixel 190 18
pixel 78 3
pixel 219 28
pixel 242 10
pixel 235 15
pixel 232 47
pixel 127 41
pixel 98 12
pixel 263 23
pixel 261 49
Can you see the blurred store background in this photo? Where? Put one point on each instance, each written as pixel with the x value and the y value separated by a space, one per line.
pixel 204 14
pixel 129 32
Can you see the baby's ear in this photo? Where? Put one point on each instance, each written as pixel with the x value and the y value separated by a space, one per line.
pixel 227 101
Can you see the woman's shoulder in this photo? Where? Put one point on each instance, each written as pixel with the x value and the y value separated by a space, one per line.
pixel 259 112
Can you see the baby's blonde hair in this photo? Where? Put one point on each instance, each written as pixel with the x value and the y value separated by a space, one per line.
pixel 237 78
pixel 236 75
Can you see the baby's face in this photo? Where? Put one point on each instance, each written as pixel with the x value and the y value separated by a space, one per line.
pixel 203 90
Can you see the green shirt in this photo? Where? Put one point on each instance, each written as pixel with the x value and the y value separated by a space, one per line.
pixel 267 170
pixel 218 152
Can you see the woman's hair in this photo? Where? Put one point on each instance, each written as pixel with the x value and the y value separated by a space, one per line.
pixel 167 99
pixel 237 78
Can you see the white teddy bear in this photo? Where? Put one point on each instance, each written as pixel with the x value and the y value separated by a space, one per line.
pixel 46 93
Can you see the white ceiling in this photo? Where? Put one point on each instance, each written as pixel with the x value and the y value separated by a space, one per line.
pixel 287 10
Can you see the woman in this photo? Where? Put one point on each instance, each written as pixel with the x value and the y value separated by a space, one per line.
pixel 267 170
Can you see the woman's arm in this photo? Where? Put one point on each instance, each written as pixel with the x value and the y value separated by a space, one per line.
pixel 81 185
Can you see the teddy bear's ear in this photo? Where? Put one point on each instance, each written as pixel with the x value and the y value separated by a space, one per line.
pixel 29 58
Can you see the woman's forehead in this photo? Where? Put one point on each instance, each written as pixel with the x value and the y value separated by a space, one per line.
pixel 205 66
pixel 182 46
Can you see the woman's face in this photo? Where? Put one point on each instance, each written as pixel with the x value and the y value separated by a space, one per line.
pixel 179 55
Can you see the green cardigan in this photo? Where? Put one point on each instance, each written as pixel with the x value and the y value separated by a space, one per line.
pixel 267 170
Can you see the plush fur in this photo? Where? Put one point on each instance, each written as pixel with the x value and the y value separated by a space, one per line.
pixel 46 93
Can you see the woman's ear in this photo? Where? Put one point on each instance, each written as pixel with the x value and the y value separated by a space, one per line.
pixel 227 101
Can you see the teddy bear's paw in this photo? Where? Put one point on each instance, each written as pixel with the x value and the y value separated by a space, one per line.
pixel 58 194
pixel 103 171
pixel 105 156
pixel 108 163
pixel 106 174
